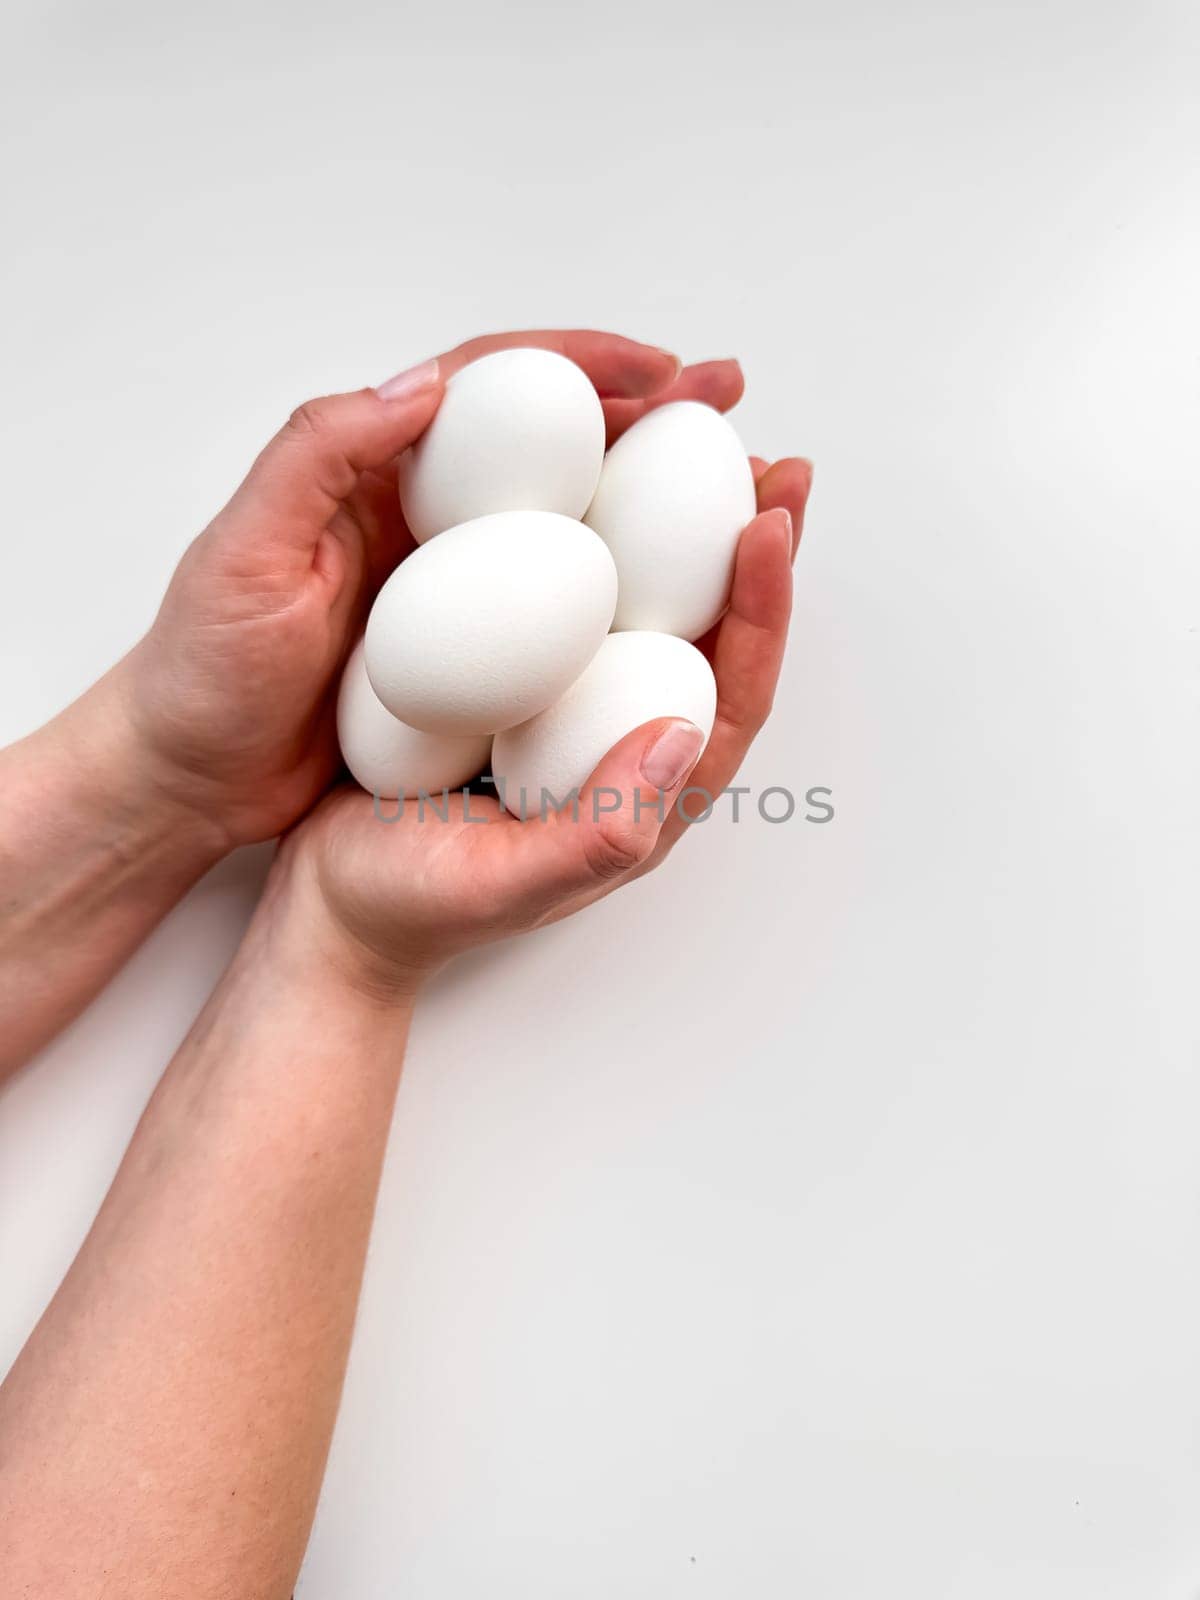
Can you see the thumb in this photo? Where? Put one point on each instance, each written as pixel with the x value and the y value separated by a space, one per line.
pixel 315 459
pixel 620 812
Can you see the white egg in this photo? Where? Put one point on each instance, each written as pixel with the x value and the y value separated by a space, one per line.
pixel 633 678
pixel 487 624
pixel 388 757
pixel 518 430
pixel 674 494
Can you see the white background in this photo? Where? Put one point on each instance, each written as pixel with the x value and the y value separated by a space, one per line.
pixel 822 1216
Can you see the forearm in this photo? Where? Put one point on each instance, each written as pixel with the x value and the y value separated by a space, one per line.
pixel 174 1406
pixel 93 852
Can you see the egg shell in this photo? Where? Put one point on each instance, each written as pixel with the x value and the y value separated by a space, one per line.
pixel 633 678
pixel 674 494
pixel 389 758
pixel 487 624
pixel 517 430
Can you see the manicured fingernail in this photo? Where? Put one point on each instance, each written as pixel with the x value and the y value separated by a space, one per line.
pixel 672 755
pixel 407 384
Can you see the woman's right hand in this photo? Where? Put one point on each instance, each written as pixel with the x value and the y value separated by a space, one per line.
pixel 388 902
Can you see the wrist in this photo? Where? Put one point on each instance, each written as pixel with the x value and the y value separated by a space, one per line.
pixel 88 776
pixel 91 856
pixel 320 952
pixel 142 797
pixel 151 786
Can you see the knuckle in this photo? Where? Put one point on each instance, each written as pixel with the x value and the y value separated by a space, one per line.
pixel 308 421
pixel 743 720
pixel 312 432
pixel 614 848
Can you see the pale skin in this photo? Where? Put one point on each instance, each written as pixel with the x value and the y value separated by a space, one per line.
pixel 164 1431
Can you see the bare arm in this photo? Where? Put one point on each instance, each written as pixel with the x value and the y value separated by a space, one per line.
pixel 165 1429
pixel 92 854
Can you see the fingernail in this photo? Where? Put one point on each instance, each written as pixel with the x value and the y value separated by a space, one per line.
pixel 672 755
pixel 406 384
pixel 675 361
pixel 783 524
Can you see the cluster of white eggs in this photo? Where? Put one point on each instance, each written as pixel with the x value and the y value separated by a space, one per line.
pixel 547 610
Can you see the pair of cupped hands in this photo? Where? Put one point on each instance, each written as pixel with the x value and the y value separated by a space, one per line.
pixel 229 700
